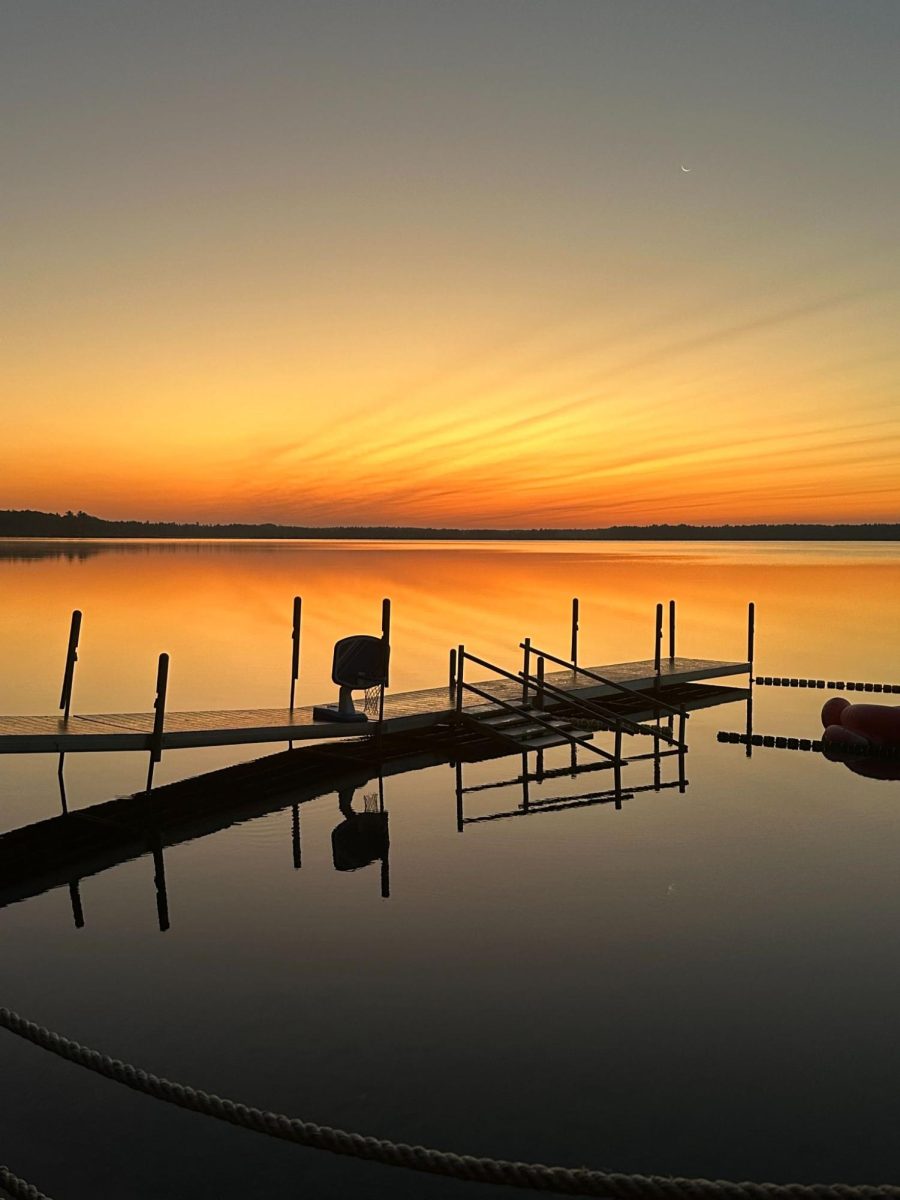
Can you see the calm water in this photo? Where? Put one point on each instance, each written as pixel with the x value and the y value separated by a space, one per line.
pixel 704 982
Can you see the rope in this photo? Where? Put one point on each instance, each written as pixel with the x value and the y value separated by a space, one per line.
pixel 18 1188
pixel 833 685
pixel 565 1180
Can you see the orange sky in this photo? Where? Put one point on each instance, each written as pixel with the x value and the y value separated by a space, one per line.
pixel 368 264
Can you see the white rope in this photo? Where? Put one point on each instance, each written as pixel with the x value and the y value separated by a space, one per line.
pixel 18 1188
pixel 570 1181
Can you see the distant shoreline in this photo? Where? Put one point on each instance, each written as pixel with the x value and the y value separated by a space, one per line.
pixel 31 524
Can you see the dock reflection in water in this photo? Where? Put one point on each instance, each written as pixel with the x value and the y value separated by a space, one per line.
pixel 64 850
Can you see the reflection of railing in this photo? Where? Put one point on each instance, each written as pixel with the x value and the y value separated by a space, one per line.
pixel 622 688
pixel 530 803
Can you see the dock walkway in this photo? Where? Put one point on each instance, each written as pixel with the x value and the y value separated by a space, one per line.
pixel 403 711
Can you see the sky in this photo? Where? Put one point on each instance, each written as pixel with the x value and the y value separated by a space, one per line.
pixel 451 262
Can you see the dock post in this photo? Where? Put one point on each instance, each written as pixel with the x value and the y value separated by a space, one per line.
pixel 65 699
pixel 159 704
pixel 751 635
pixel 386 662
pixel 657 657
pixel 540 682
pixel 452 668
pixel 617 766
pixel 575 632
pixel 460 672
pixel 295 649
pixel 671 630
pixel 525 796
pixel 526 668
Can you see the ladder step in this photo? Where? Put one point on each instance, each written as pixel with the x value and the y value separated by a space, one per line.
pixel 546 740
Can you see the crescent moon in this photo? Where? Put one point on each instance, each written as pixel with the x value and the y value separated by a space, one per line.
pixel 687 170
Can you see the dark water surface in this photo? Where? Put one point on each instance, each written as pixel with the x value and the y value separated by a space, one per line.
pixel 701 982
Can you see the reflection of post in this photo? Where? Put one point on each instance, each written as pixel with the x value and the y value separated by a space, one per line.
pixel 525 781
pixel 75 898
pixel 682 751
pixel 749 750
pixel 295 835
pixel 159 880
pixel 575 632
pixel 62 785
pixel 617 765
pixel 386 875
pixel 657 761
pixel 459 797
pixel 159 704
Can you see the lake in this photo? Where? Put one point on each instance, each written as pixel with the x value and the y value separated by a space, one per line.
pixel 702 981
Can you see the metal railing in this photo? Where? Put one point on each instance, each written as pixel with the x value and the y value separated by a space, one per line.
pixel 461 686
pixel 633 692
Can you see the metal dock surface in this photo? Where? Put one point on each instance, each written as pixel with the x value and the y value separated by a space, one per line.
pixel 402 711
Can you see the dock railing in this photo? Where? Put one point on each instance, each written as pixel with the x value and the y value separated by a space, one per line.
pixel 463 656
pixel 539 682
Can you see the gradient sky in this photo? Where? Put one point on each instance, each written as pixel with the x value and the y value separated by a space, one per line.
pixel 434 262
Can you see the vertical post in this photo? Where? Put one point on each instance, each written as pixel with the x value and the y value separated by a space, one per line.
pixel 452 668
pixel 295 836
pixel 526 668
pixel 540 681
pixel 751 635
pixel 295 649
pixel 525 798
pixel 574 655
pixel 657 655
pixel 65 699
pixel 460 672
pixel 386 661
pixel 159 704
pixel 672 630
pixel 539 766
pixel 657 759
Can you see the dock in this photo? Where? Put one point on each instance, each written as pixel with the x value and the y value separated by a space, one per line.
pixel 402 711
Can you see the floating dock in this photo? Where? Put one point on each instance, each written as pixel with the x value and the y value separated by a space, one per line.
pixel 403 711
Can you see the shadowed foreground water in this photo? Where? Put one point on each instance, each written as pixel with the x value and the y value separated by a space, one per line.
pixel 699 982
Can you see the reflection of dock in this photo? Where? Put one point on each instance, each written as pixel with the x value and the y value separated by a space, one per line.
pixel 62 851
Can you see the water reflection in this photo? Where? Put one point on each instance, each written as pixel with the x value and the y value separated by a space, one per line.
pixel 64 850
